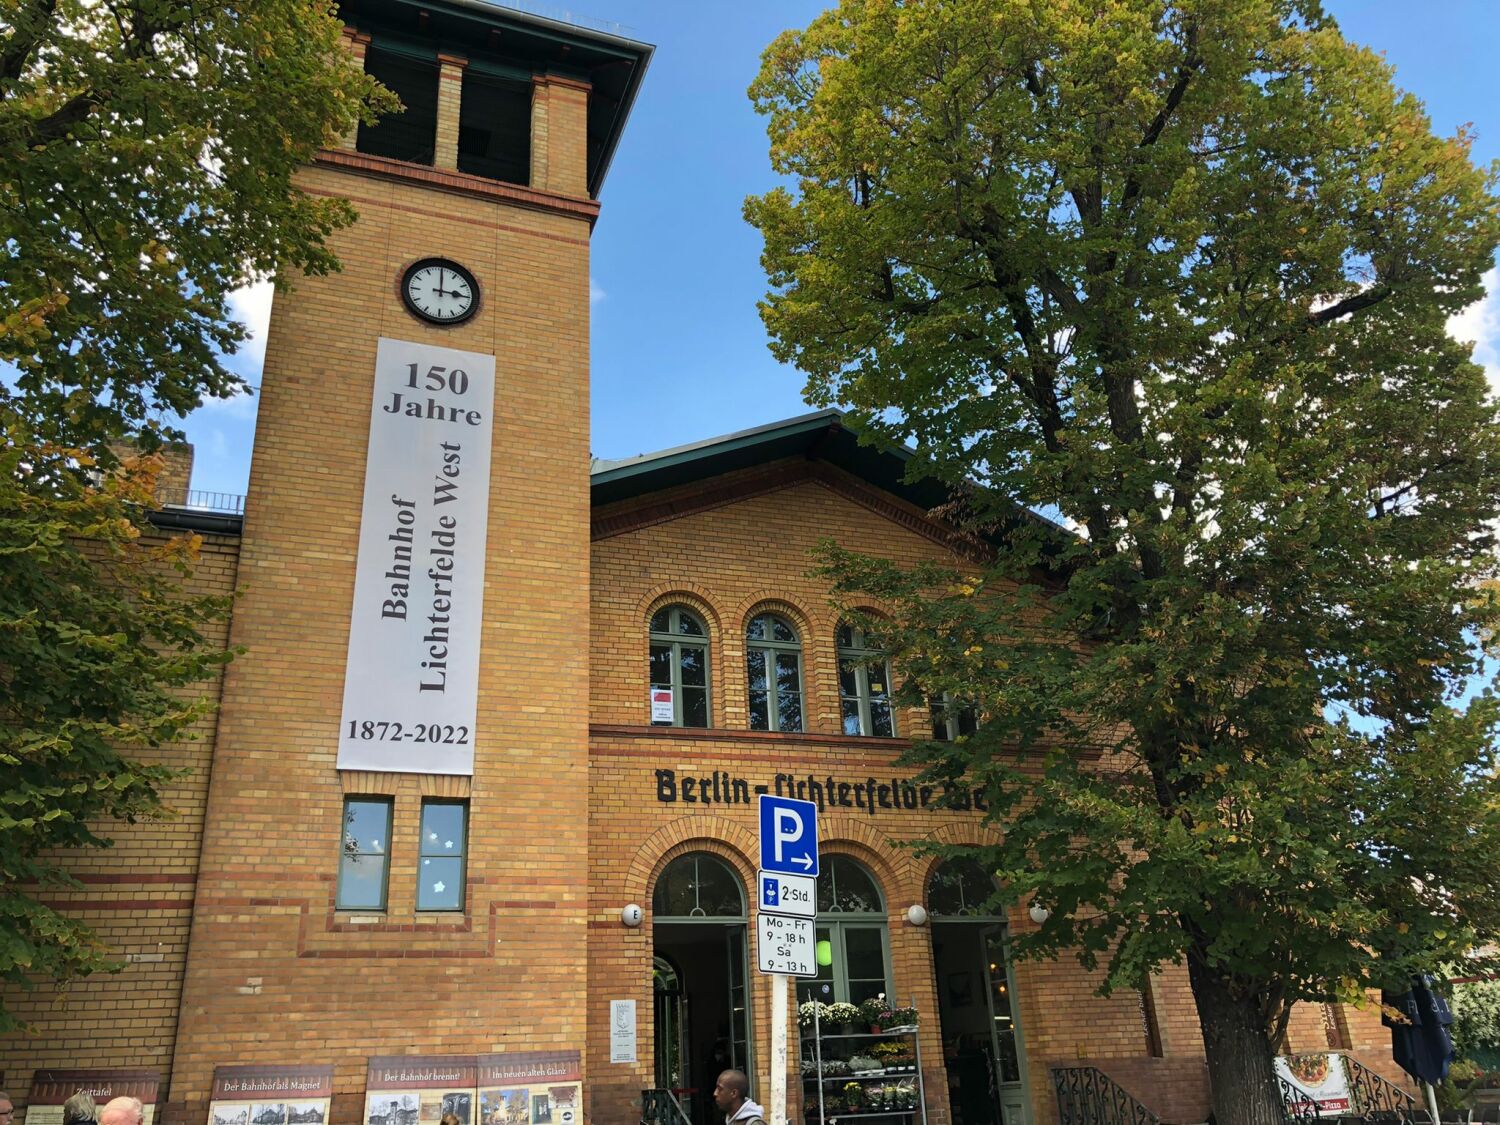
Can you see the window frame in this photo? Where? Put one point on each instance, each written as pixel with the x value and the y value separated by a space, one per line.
pixel 462 856
pixel 861 653
pixel 676 642
pixel 770 648
pixel 389 804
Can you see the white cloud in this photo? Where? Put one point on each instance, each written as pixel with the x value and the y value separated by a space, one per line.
pixel 596 292
pixel 251 306
pixel 1479 324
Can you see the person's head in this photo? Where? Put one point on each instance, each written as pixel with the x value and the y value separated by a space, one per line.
pixel 7 1108
pixel 80 1108
pixel 450 1119
pixel 731 1092
pixel 122 1111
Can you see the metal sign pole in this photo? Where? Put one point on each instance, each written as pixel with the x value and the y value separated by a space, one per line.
pixel 778 1049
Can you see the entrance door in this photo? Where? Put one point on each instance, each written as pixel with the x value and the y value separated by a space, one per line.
pixel 981 1040
pixel 699 930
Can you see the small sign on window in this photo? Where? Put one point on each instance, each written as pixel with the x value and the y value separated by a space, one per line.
pixel 661 705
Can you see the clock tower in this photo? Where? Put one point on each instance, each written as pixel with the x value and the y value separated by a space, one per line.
pixel 395 853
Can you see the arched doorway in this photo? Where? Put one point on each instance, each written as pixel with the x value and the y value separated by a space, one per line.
pixel 983 1050
pixel 702 1004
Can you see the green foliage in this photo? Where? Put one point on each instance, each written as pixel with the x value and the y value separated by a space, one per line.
pixel 1476 1017
pixel 149 149
pixel 1179 273
pixel 102 660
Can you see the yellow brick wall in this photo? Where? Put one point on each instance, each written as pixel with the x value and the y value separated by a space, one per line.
pixel 730 560
pixel 275 974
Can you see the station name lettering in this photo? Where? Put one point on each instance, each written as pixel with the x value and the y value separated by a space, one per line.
pixel 870 795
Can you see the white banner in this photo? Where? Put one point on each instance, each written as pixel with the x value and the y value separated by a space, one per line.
pixel 412 679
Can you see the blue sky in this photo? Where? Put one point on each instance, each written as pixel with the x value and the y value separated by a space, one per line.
pixel 679 353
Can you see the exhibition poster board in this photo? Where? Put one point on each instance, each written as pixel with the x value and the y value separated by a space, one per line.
pixel 419 1089
pixel 531 1088
pixel 51 1088
pixel 270 1095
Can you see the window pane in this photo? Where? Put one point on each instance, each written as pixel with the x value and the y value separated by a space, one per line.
pixel 755 664
pixel 442 829
pixel 760 710
pixel 410 135
pixel 661 666
pixel 366 827
pixel 362 882
pixel 939 722
pixel 674 895
pixel 851 717
pixel 846 886
pixel 881 725
pixel 756 631
pixel 661 621
pixel 698 882
pixel 845 636
pixel 688 625
pixel 694 666
pixel 879 675
pixel 848 679
pixel 789 711
pixel 440 884
pixel 787 673
pixel 695 707
pixel 863 953
pixel 781 631
pixel 494 128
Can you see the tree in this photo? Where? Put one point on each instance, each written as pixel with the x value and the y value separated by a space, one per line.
pixel 102 658
pixel 1177 273
pixel 149 149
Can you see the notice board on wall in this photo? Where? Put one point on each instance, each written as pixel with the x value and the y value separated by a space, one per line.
pixel 270 1095
pixel 51 1088
pixel 516 1088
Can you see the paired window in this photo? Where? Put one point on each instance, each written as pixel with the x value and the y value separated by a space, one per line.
pixel 364 860
pixel 679 668
pixel 864 684
pixel 773 662
pixel 412 134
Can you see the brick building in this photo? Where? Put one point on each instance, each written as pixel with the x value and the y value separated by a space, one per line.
pixel 408 839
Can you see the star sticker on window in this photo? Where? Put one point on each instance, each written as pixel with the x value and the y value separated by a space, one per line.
pixel 438 887
pixel 447 843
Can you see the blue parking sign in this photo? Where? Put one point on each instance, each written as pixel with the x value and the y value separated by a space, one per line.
pixel 788 835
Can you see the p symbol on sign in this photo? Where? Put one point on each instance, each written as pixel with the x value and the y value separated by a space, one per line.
pixel 788 830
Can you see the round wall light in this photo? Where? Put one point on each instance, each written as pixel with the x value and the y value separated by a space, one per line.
pixel 631 915
pixel 1039 913
pixel 916 914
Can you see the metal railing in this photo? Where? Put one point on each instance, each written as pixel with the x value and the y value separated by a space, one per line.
pixel 227 503
pixel 1374 1094
pixel 661 1107
pixel 1300 1109
pixel 1088 1096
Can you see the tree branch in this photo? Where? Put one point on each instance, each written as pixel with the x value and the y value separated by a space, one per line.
pixel 27 32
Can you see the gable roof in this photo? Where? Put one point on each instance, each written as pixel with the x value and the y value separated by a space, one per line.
pixel 824 435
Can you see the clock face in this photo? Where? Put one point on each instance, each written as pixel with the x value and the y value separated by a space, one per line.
pixel 440 291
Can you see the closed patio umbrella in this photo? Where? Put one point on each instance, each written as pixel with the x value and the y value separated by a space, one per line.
pixel 1423 1046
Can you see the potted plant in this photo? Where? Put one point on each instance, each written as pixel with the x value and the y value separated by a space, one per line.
pixel 842 1014
pixel 835 1068
pixel 864 1064
pixel 854 1096
pixel 810 1012
pixel 872 1009
pixel 897 1019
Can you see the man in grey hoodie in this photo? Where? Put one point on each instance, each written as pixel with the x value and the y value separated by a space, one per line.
pixel 732 1096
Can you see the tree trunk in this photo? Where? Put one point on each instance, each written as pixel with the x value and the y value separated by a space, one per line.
pixel 1240 1072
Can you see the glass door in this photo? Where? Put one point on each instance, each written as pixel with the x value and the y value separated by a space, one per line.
pixel 739 1000
pixel 1004 1029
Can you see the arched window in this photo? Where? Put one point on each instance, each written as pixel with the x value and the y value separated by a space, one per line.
pixel 864 684
pixel 853 949
pixel 773 663
pixel 960 889
pixel 697 885
pixel 679 668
